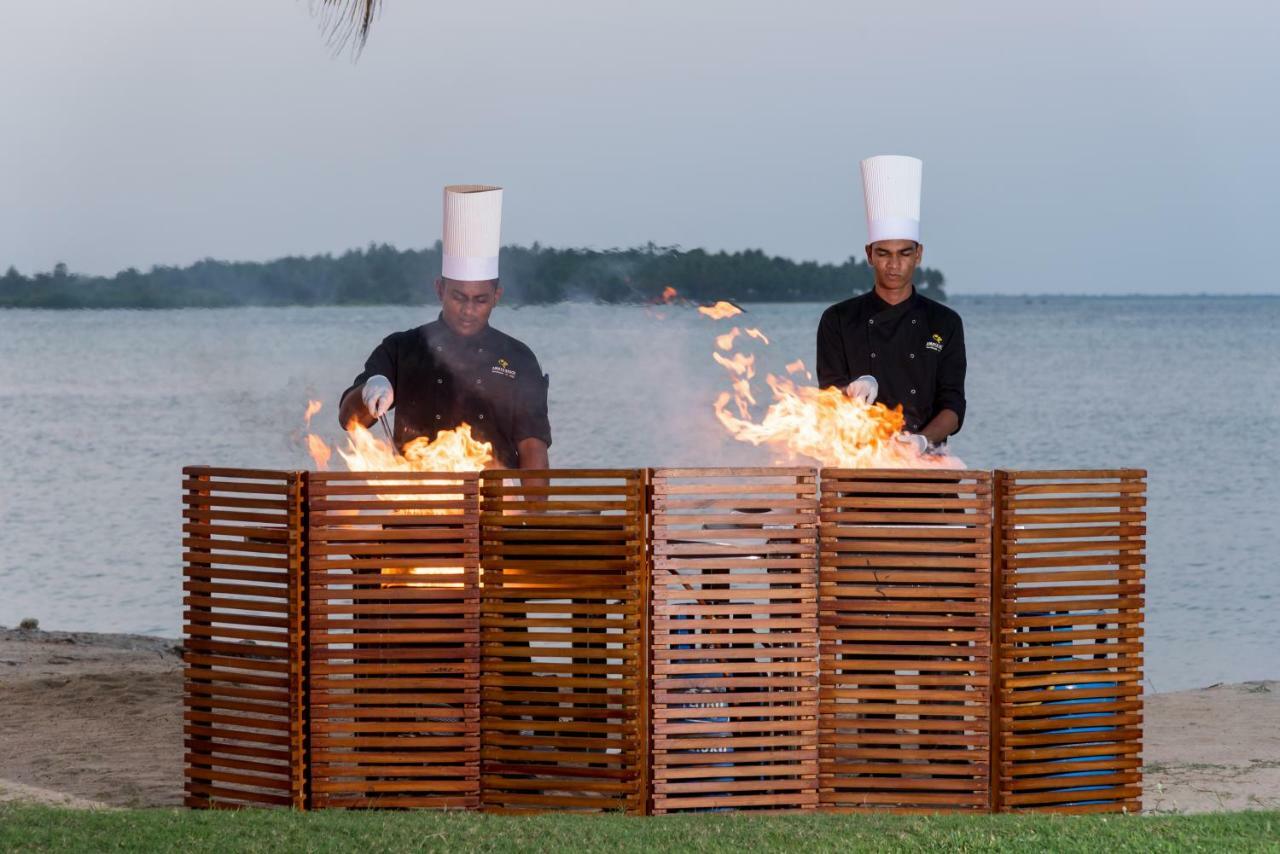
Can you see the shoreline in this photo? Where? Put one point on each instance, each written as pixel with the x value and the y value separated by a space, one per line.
pixel 92 720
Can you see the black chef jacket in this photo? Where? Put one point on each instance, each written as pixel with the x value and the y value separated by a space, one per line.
pixel 441 379
pixel 914 349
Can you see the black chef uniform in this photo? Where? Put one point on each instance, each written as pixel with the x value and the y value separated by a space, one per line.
pixel 914 349
pixel 442 380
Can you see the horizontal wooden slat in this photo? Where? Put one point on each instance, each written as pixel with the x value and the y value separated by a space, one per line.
pixel 243 690
pixel 564 674
pixel 393 637
pixel 904 574
pixel 1070 651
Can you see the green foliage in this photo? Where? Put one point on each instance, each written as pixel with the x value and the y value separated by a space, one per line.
pixel 50 829
pixel 382 274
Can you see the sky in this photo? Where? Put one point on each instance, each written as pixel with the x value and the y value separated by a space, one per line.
pixel 1083 147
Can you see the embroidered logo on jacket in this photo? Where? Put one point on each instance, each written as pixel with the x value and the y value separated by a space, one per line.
pixel 934 343
pixel 503 369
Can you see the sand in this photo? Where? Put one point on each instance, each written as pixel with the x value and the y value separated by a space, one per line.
pixel 92 720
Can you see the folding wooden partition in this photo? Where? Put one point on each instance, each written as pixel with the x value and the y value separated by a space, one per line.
pixel 394 639
pixel 905 615
pixel 564 696
pixel 735 639
pixel 911 640
pixel 243 702
pixel 1071 557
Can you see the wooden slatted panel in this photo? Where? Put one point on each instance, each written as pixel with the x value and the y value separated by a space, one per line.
pixel 243 705
pixel 735 639
pixel 1072 585
pixel 564 687
pixel 905 616
pixel 394 639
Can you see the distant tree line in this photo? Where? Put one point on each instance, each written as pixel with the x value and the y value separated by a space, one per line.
pixel 382 274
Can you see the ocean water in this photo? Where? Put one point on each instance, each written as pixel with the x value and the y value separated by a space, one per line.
pixel 99 411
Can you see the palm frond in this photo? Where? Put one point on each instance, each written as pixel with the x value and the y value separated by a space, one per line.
pixel 347 19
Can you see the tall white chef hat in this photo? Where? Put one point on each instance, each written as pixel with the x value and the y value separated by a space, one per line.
pixel 891 186
pixel 472 232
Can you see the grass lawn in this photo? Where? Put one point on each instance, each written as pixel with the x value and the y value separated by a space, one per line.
pixel 30 828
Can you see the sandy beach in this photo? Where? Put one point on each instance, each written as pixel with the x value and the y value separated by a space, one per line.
pixel 94 719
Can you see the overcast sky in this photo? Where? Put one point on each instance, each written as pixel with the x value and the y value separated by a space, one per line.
pixel 1099 147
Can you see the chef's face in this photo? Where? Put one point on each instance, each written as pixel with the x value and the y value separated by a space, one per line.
pixel 467 305
pixel 894 262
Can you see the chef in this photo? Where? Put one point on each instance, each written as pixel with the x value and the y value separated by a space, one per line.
pixel 892 345
pixel 458 369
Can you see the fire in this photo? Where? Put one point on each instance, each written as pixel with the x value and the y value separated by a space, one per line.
pixel 827 426
pixel 822 424
pixel 725 341
pixel 669 295
pixel 797 367
pixel 720 310
pixel 451 451
pixel 313 406
pixel 319 451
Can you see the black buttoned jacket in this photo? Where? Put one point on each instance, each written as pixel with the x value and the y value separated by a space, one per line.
pixel 914 349
pixel 442 380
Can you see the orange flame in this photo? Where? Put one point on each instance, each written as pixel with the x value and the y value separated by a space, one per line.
pixel 829 427
pixel 741 364
pixel 797 367
pixel 669 294
pixel 313 407
pixel 725 341
pixel 319 451
pixel 451 451
pixel 757 334
pixel 720 310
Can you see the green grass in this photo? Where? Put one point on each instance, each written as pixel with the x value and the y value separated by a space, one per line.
pixel 30 828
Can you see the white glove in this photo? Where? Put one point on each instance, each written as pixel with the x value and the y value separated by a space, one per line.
pixel 864 388
pixel 917 441
pixel 377 395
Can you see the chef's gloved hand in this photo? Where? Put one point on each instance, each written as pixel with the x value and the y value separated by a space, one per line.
pixel 377 395
pixel 916 440
pixel 864 388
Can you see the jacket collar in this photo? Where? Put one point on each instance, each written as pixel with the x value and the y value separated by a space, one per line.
pixel 880 308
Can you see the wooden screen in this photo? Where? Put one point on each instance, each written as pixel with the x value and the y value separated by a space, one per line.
pixel 1070 639
pixel 564 688
pixel 735 639
pixel 394 639
pixel 243 705
pixel 905 616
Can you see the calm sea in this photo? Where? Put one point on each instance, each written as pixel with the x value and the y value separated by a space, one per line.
pixel 100 410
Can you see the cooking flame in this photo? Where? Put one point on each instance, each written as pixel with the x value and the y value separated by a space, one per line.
pixel 720 310
pixel 451 451
pixel 797 367
pixel 822 424
pixel 725 341
pixel 319 451
pixel 833 429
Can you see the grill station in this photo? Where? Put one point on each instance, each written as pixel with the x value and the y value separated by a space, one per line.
pixel 664 640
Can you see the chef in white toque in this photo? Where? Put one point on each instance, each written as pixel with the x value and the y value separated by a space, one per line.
pixel 893 345
pixel 458 369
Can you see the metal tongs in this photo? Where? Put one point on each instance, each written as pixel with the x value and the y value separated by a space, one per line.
pixel 382 419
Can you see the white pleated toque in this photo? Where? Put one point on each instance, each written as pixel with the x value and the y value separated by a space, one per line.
pixel 472 232
pixel 891 185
